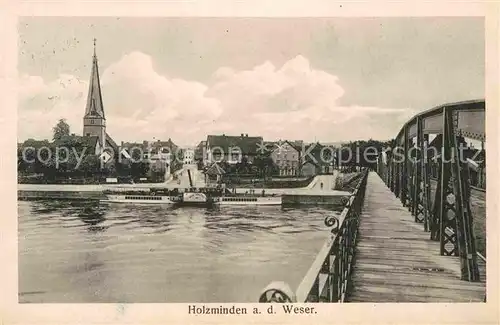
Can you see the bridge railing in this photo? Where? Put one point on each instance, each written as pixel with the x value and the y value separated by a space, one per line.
pixel 328 278
pixel 445 211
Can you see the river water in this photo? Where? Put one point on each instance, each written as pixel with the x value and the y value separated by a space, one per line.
pixel 90 252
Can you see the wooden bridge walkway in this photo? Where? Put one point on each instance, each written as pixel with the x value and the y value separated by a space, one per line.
pixel 397 262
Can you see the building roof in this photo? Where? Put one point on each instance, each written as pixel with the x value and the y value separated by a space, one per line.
pixel 248 145
pixel 273 145
pixel 111 143
pixel 151 144
pixel 200 146
pixel 164 144
pixel 198 150
pixel 320 155
pixel 215 169
pixel 297 145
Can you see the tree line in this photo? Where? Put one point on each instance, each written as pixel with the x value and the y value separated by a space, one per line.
pixel 47 161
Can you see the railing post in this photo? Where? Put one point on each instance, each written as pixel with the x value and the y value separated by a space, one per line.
pixel 437 209
pixel 410 186
pixel 447 221
pixel 455 217
pixel 419 190
pixel 404 169
pixel 417 179
pixel 461 190
pixel 397 180
pixel 426 187
pixel 390 173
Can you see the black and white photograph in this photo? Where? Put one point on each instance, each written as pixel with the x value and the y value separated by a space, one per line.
pixel 216 160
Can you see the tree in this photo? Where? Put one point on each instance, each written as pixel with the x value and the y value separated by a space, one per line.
pixel 90 165
pixel 138 167
pixel 61 129
pixel 265 164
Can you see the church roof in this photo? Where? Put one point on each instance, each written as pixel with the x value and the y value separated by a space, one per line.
pixel 94 106
pixel 111 142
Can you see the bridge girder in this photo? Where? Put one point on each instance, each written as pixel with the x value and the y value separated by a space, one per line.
pixel 469 119
pixel 449 220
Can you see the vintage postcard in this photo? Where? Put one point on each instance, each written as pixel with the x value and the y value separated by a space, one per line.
pixel 182 163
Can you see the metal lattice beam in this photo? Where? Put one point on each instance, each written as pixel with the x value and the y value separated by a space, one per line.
pixel 448 217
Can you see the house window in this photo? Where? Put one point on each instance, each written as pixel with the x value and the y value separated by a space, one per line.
pixel 88 134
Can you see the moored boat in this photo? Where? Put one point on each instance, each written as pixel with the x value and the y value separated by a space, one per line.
pixel 192 196
pixel 139 199
pixel 248 200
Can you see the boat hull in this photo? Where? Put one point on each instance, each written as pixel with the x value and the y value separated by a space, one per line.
pixel 138 199
pixel 248 201
pixel 194 199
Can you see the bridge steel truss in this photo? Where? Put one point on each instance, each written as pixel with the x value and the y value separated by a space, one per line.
pixel 406 172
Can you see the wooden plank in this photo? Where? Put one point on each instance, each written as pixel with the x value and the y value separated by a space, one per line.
pixel 418 280
pixel 369 296
pixel 397 262
pixel 425 292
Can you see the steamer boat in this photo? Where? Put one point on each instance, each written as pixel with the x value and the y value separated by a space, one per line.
pixel 202 196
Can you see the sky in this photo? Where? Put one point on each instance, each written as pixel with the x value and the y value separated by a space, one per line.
pixel 313 79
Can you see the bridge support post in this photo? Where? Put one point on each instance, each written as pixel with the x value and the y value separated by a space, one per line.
pixel 397 178
pixel 412 181
pixel 421 197
pixel 404 169
pixel 426 186
pixel 436 213
pixel 391 173
pixel 455 218
pixel 399 184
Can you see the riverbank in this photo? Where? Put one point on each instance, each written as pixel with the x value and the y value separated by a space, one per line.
pixel 321 186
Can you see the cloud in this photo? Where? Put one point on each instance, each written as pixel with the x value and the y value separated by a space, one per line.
pixel 42 104
pixel 293 101
pixel 298 102
pixel 134 91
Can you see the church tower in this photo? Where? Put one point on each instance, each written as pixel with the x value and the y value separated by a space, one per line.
pixel 94 121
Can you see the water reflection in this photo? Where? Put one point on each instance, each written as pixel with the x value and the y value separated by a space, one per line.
pixel 91 215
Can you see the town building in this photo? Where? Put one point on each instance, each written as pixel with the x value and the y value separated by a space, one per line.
pixel 317 159
pixel 160 155
pixel 231 149
pixel 286 155
pixel 199 153
pixel 188 156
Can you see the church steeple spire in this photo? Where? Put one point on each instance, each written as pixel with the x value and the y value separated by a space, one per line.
pixel 94 121
pixel 95 107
